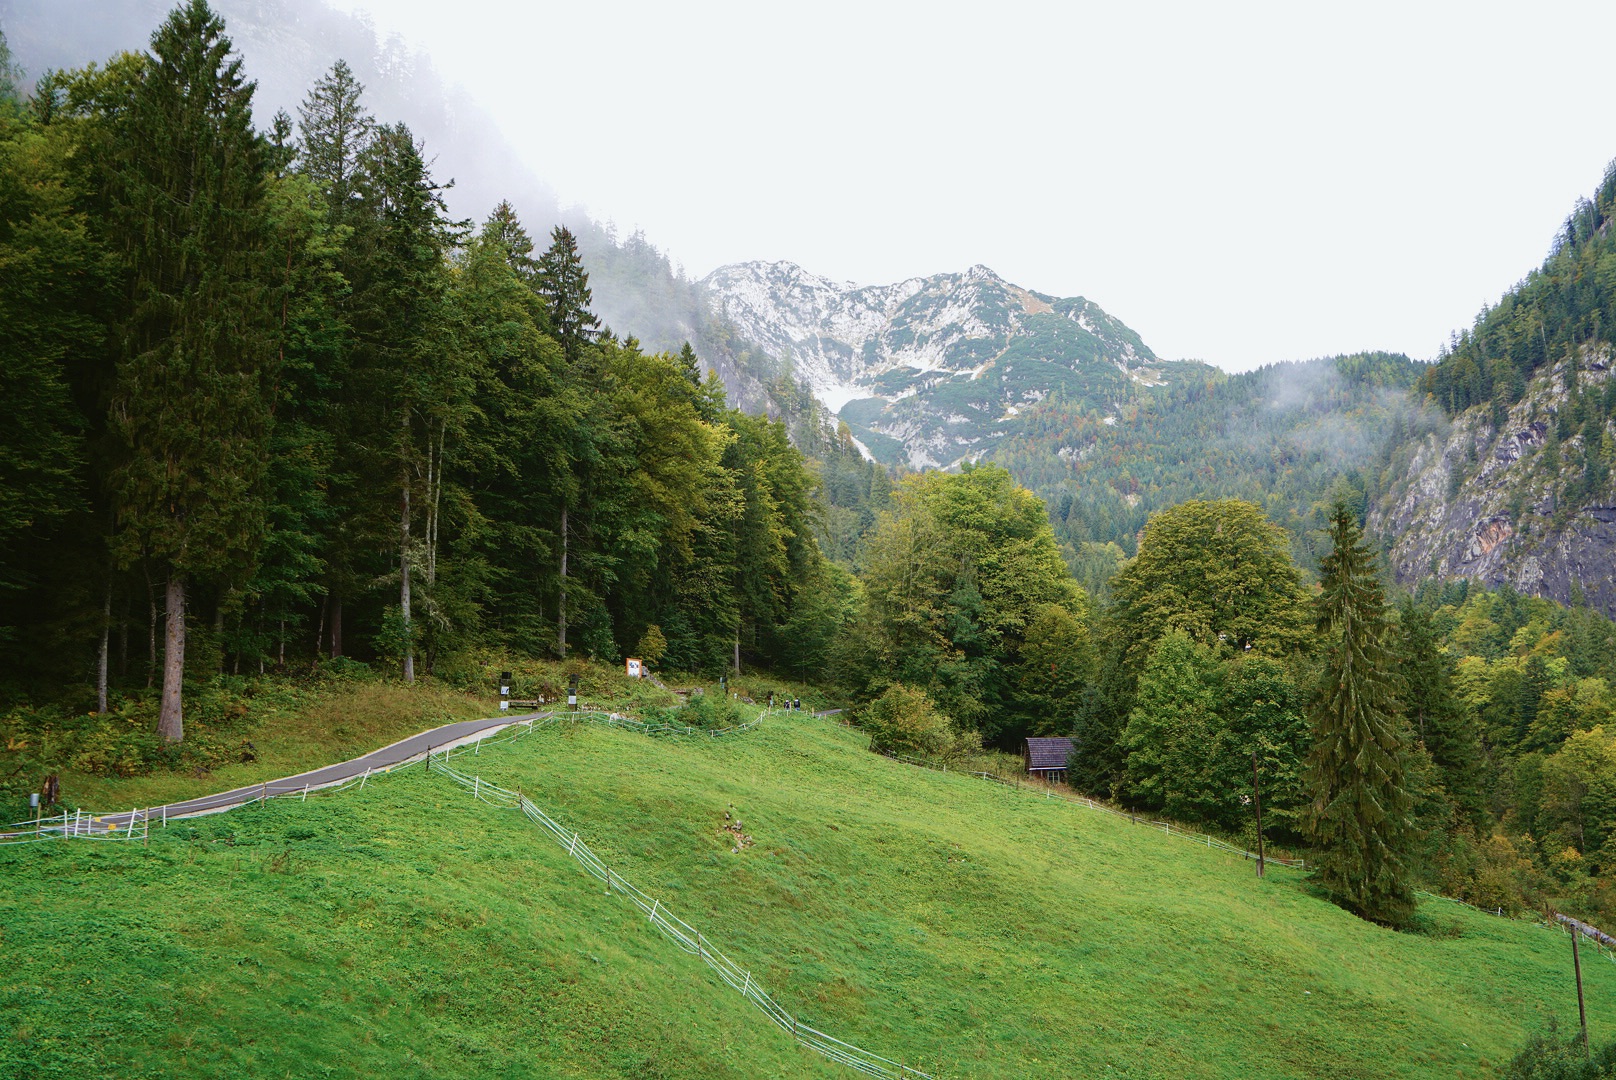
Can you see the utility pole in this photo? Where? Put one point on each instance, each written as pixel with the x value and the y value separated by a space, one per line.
pixel 1256 801
pixel 1582 1011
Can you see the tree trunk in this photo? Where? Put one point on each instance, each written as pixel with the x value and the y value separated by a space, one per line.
pixel 151 636
pixel 319 631
pixel 106 643
pixel 737 651
pixel 404 581
pixel 561 620
pixel 170 721
pixel 123 639
pixel 336 627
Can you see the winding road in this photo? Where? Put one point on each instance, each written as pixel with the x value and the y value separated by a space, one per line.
pixel 407 749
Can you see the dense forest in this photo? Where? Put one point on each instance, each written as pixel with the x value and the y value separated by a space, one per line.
pixel 1292 437
pixel 1558 311
pixel 264 398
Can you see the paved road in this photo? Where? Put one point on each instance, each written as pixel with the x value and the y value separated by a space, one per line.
pixel 413 747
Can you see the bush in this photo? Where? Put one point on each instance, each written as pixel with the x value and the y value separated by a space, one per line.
pixel 1549 1057
pixel 904 720
pixel 709 712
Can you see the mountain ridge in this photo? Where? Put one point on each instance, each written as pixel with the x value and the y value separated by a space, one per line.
pixel 924 370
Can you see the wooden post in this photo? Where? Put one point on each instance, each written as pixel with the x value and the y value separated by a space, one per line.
pixel 1256 793
pixel 1582 1010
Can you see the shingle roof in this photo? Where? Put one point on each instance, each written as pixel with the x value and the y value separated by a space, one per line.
pixel 1048 753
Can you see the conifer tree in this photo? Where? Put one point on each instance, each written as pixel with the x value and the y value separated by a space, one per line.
pixel 505 229
pixel 191 404
pixel 336 132
pixel 1358 817
pixel 1436 717
pixel 564 285
pixel 409 391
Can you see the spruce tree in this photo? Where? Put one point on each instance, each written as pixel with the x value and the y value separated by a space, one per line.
pixel 336 132
pixel 504 228
pixel 408 390
pixel 564 285
pixel 1358 817
pixel 1436 716
pixel 191 403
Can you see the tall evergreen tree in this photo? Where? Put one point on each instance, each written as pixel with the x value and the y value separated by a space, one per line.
pixel 410 394
pixel 564 285
pixel 336 131
pixel 1436 716
pixel 505 229
pixel 192 403
pixel 1359 813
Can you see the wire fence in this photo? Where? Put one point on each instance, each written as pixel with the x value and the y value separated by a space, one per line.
pixel 1167 828
pixel 135 823
pixel 678 931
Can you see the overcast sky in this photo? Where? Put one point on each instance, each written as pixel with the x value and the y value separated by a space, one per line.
pixel 1240 183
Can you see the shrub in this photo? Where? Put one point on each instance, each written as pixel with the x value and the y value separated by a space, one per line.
pixel 904 720
pixel 1549 1057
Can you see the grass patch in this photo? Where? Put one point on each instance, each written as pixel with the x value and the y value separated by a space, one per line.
pixel 966 928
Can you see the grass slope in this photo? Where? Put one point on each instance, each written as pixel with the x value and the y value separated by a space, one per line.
pixel 966 928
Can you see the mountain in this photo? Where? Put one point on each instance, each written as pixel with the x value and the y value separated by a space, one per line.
pixel 1520 497
pixel 935 370
pixel 1518 491
pixel 285 45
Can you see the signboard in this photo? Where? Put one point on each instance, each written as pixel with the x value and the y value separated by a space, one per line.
pixel 634 668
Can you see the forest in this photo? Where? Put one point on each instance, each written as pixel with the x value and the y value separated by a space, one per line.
pixel 285 406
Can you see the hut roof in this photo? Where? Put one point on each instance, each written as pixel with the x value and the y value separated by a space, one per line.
pixel 1048 753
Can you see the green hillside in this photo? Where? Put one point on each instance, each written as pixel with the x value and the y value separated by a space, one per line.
pixel 968 929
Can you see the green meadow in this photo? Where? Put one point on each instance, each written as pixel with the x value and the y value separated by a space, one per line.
pixel 961 927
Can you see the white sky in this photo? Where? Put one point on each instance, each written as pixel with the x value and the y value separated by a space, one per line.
pixel 1241 183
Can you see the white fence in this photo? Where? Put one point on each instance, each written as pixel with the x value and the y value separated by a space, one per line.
pixel 657 914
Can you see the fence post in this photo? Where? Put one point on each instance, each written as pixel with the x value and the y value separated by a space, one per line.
pixel 305 797
pixel 652 917
pixel 131 833
pixel 362 779
pixel 477 788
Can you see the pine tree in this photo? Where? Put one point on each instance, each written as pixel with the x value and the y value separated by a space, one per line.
pixel 409 393
pixel 337 130
pixel 564 285
pixel 1437 718
pixel 191 405
pixel 504 229
pixel 1358 818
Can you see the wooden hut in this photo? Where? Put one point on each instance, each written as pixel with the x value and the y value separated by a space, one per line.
pixel 1046 758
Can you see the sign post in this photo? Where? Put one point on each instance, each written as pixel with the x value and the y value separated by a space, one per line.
pixel 504 690
pixel 633 667
pixel 572 693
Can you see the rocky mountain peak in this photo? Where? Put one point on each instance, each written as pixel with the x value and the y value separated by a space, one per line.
pixel 930 370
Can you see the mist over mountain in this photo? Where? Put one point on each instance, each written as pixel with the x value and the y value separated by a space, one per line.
pixel 286 45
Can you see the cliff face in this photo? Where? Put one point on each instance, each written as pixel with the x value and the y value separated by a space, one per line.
pixel 1519 497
